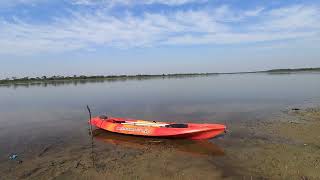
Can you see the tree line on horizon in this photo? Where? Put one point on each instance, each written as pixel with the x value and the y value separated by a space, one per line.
pixel 294 70
pixel 83 77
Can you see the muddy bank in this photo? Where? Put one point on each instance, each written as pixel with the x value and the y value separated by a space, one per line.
pixel 146 159
pixel 283 146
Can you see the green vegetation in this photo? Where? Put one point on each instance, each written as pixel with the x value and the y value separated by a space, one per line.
pixel 292 70
pixel 100 78
pixel 82 79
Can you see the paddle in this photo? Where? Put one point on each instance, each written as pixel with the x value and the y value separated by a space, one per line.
pixel 91 136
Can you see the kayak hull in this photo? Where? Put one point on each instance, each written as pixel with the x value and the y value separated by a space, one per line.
pixel 197 148
pixel 157 129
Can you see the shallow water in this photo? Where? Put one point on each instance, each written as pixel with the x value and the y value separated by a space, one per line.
pixel 50 120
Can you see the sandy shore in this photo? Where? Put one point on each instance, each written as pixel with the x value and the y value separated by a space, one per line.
pixel 286 146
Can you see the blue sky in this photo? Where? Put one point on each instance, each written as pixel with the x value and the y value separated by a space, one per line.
pixel 66 37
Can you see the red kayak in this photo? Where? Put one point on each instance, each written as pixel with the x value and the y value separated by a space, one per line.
pixel 158 129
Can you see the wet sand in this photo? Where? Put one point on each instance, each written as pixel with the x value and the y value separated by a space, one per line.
pixel 284 146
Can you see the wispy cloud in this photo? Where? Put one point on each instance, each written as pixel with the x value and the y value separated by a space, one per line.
pixel 236 38
pixel 221 25
pixel 135 2
pixel 10 3
pixel 292 18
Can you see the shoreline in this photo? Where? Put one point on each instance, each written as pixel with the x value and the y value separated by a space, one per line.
pixel 276 148
pixel 98 78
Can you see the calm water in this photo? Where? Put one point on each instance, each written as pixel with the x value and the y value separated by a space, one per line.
pixel 37 116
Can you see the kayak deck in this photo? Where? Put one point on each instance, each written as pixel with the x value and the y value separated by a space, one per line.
pixel 158 129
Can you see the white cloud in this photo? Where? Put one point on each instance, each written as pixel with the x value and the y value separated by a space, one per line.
pixel 291 18
pixel 190 27
pixel 109 3
pixel 134 2
pixel 254 12
pixel 235 38
pixel 10 3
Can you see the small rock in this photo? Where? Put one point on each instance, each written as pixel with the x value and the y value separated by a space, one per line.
pixel 13 156
pixel 294 122
pixel 77 164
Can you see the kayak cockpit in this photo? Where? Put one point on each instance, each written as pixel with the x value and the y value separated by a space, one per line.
pixel 143 123
pixel 174 125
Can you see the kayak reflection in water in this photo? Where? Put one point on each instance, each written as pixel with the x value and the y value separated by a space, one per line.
pixel 203 147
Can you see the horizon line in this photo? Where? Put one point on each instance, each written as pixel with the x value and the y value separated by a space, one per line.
pixel 60 77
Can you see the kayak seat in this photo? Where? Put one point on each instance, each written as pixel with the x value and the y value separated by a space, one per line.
pixel 103 117
pixel 176 126
pixel 116 121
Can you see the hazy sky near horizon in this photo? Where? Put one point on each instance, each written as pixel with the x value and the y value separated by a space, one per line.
pixel 92 37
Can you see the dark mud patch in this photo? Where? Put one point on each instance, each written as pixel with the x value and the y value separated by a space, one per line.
pixel 29 173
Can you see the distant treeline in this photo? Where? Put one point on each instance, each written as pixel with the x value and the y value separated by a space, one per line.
pixel 100 77
pixel 294 70
pixel 55 79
